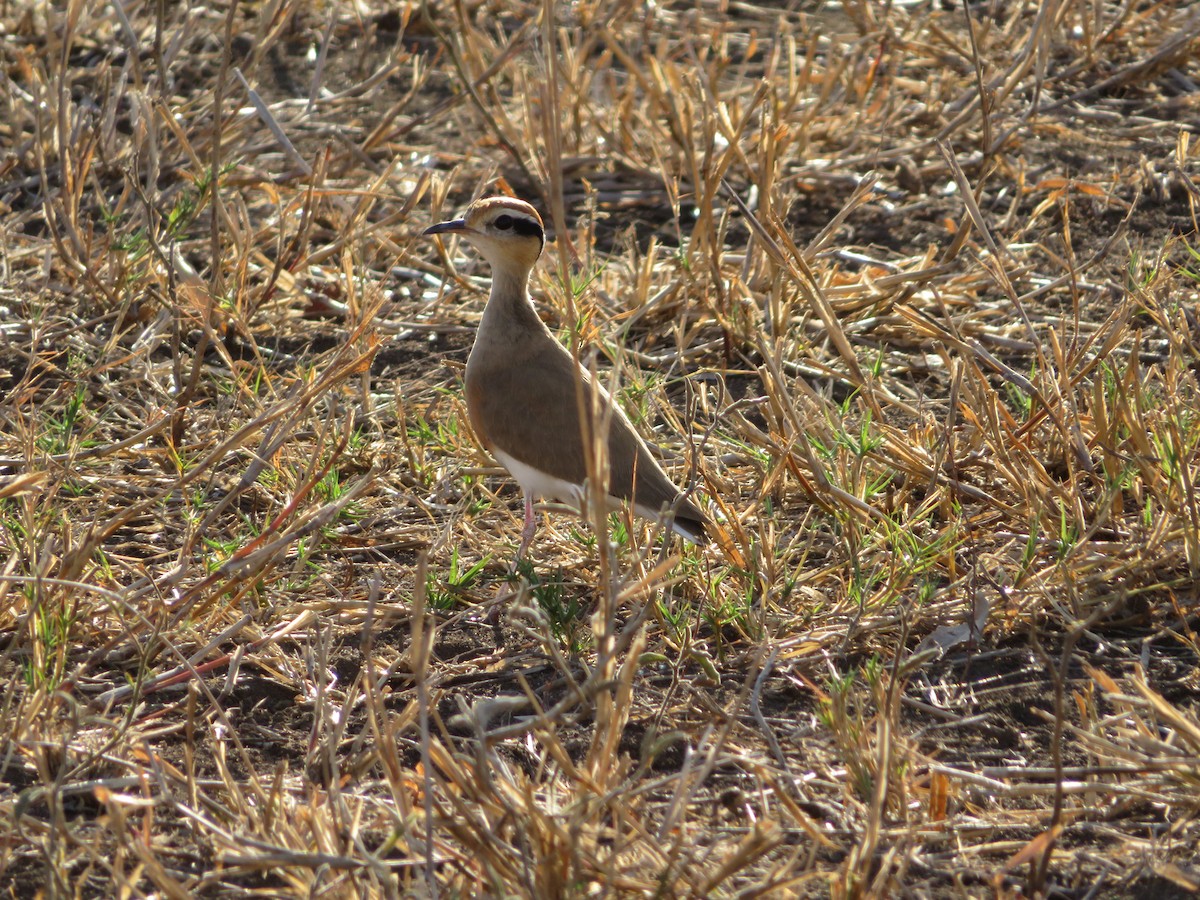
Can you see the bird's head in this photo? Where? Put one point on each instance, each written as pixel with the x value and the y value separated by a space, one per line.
pixel 507 232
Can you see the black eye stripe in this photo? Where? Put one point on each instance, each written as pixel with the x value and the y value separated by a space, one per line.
pixel 520 224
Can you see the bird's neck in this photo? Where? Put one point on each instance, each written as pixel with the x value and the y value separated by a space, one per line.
pixel 509 311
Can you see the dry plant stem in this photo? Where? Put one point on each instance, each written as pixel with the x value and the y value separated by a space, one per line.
pixel 273 125
pixel 803 278
pixel 216 248
pixel 472 85
pixel 552 160
pixel 423 634
pixel 1071 435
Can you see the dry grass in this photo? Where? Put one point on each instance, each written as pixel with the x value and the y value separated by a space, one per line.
pixel 912 298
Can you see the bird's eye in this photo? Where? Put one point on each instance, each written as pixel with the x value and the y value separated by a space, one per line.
pixel 504 222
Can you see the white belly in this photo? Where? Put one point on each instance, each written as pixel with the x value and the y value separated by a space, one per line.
pixel 539 484
pixel 547 487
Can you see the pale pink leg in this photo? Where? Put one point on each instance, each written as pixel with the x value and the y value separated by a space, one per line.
pixel 530 526
pixel 505 592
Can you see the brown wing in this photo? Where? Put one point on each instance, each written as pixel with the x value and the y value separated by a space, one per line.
pixel 535 419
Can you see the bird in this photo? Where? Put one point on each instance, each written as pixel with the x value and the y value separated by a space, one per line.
pixel 521 388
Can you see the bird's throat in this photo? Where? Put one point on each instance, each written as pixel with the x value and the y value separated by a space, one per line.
pixel 509 315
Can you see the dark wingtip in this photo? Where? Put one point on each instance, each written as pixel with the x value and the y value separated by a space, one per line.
pixel 695 530
pixel 690 522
